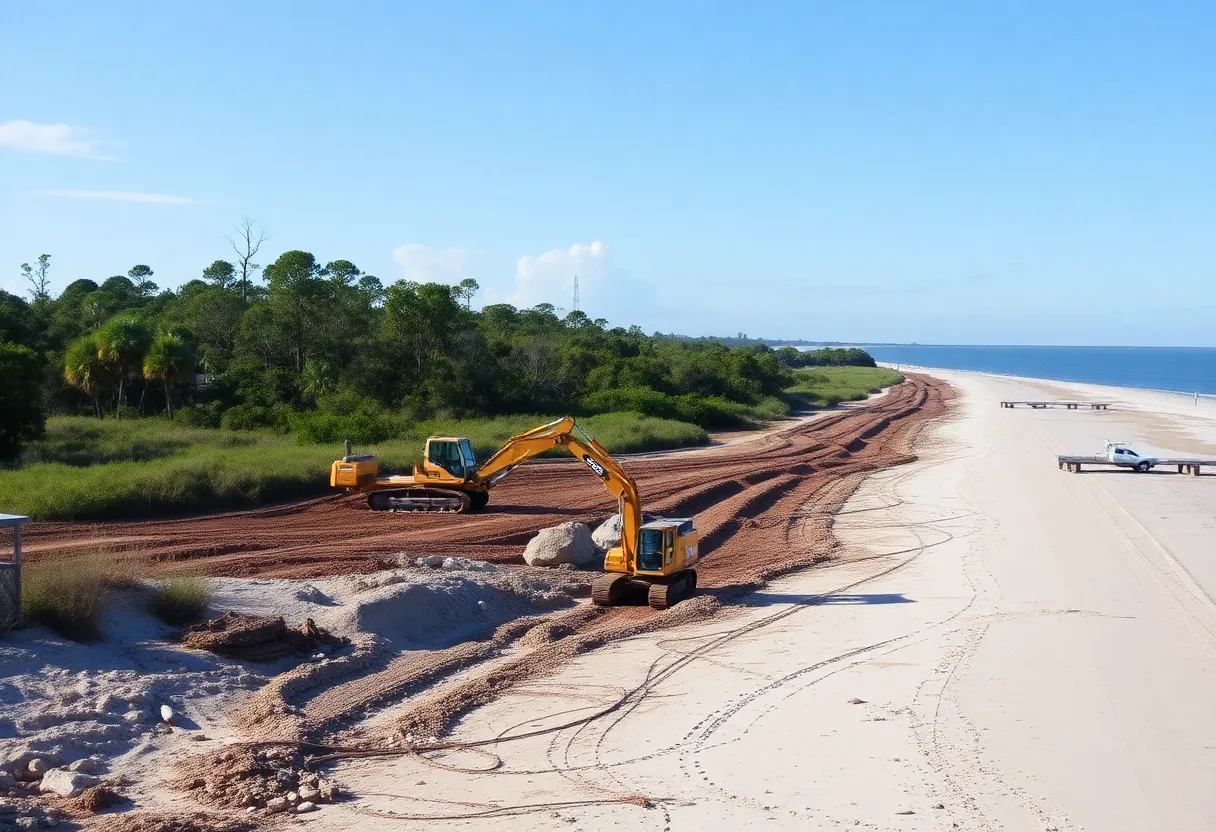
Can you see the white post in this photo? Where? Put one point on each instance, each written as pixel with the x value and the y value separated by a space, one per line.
pixel 17 567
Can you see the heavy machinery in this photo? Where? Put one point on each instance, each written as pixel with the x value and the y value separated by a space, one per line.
pixel 655 557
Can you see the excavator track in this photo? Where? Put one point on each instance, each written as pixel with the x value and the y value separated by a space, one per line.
pixel 612 590
pixel 420 500
pixel 679 586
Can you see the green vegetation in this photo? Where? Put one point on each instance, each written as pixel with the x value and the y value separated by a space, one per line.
pixel 316 342
pixel 181 599
pixel 826 357
pixel 259 381
pixel 89 469
pixel 21 415
pixel 827 386
pixel 67 594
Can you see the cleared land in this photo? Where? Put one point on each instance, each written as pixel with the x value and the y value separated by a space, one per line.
pixel 728 490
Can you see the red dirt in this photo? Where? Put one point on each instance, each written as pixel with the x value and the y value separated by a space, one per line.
pixel 748 500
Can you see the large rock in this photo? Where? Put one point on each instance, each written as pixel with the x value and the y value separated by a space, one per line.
pixel 608 533
pixel 66 783
pixel 567 543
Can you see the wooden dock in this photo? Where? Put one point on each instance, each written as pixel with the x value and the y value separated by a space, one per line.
pixel 1068 405
pixel 1185 466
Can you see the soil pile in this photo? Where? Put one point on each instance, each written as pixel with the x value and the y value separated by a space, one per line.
pixel 257 638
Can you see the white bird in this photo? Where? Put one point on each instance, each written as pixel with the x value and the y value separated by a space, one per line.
pixel 166 713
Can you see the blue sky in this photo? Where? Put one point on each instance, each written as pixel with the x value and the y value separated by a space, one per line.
pixel 997 172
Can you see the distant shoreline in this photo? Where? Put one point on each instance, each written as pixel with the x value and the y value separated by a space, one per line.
pixel 917 368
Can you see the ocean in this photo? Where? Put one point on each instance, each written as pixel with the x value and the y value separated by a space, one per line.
pixel 1177 369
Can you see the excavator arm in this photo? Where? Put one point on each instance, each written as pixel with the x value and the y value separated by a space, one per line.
pixel 567 433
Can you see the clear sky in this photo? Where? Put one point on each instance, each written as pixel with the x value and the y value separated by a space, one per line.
pixel 992 172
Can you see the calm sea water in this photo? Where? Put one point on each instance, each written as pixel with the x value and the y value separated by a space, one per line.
pixel 1183 370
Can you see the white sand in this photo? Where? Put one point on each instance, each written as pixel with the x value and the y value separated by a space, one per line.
pixel 1034 650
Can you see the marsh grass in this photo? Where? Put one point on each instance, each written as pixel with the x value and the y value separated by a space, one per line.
pixel 828 386
pixel 68 593
pixel 180 599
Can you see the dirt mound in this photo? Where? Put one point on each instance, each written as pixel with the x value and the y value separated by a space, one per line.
pixel 257 638
pixel 564 543
pixel 98 799
pixel 435 610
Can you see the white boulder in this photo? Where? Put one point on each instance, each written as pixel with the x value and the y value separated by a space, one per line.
pixel 66 783
pixel 608 533
pixel 567 543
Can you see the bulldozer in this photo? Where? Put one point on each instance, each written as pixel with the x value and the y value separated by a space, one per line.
pixel 654 558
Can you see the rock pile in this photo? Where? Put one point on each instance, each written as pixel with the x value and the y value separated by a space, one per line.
pixel 263 781
pixel 24 779
pixel 24 815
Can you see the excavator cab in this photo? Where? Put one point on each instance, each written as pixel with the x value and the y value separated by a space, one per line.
pixel 452 456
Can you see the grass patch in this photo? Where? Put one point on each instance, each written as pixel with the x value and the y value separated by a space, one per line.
pixel 67 594
pixel 155 468
pixel 180 600
pixel 827 386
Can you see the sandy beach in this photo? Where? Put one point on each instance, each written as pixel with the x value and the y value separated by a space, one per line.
pixel 1002 646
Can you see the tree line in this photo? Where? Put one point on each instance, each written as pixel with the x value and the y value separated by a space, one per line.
pixel 243 346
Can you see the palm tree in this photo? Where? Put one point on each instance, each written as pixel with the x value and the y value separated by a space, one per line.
pixel 317 379
pixel 84 369
pixel 121 344
pixel 169 360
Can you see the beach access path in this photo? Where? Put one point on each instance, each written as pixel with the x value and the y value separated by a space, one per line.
pixel 1001 646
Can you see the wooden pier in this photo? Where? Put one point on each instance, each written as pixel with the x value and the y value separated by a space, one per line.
pixel 1068 405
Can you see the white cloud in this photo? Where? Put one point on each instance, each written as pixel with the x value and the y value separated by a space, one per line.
pixel 606 290
pixel 119 196
pixel 424 264
pixel 53 139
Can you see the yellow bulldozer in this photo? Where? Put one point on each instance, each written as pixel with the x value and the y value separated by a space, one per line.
pixel 654 557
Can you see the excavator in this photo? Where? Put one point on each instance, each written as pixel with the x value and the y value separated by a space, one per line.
pixel 654 558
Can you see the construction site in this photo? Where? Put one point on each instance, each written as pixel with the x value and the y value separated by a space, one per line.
pixel 339 632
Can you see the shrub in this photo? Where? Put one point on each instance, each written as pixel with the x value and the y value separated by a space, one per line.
pixel 180 600
pixel 205 415
pixel 254 417
pixel 705 411
pixel 67 594
pixel 364 426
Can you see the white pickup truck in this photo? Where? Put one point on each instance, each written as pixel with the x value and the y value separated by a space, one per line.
pixel 1121 456
pixel 1117 453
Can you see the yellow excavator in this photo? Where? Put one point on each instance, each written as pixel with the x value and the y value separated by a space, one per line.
pixel 655 557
